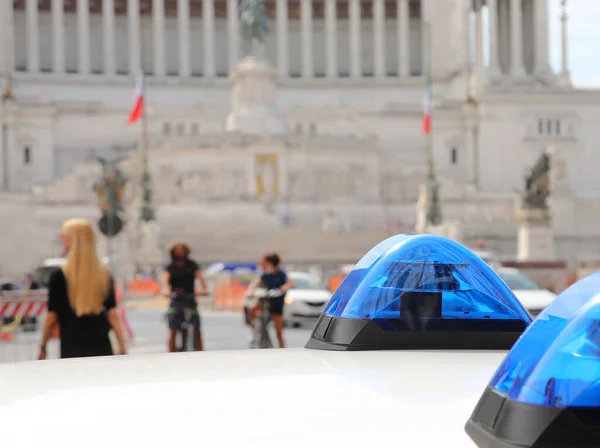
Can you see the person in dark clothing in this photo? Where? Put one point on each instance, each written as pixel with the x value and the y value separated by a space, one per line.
pixel 275 280
pixel 81 298
pixel 179 284
pixel 31 322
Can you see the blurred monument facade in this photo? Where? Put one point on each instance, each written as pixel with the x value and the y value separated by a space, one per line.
pixel 340 136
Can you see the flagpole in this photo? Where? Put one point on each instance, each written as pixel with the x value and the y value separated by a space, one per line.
pixel 146 211
pixel 434 213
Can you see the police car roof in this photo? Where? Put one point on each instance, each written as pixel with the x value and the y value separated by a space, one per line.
pixel 267 398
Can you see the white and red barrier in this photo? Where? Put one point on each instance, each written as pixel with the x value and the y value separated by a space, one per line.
pixel 32 303
pixel 23 303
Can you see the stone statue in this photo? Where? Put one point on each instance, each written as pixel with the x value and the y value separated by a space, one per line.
pixel 110 188
pixel 537 184
pixel 254 22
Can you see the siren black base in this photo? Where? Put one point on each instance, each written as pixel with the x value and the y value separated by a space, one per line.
pixel 499 422
pixel 336 333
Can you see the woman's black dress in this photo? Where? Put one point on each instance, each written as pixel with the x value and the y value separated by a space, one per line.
pixel 79 336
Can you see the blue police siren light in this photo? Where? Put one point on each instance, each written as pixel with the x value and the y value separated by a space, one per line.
pixel 546 393
pixel 420 292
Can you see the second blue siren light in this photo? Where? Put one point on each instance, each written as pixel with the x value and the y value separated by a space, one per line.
pixel 420 292
pixel 546 393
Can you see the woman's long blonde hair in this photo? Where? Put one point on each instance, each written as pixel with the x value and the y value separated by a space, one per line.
pixel 88 280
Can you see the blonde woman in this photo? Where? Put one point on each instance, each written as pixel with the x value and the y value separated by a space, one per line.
pixel 81 298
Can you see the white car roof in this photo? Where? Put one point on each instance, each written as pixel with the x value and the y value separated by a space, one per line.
pixel 56 262
pixel 52 262
pixel 254 398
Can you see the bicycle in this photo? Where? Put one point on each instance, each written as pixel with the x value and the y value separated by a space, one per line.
pixel 261 337
pixel 190 319
pixel 188 316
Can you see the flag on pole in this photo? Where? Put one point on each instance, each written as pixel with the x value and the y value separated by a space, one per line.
pixel 427 106
pixel 138 101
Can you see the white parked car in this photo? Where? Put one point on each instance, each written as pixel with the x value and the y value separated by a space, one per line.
pixel 306 301
pixel 531 295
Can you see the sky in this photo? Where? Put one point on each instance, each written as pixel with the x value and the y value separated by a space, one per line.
pixel 584 40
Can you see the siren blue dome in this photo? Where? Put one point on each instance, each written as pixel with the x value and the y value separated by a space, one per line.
pixel 420 292
pixel 546 393
pixel 417 264
pixel 556 362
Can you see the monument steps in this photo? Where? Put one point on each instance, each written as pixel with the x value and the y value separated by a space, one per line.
pixel 294 244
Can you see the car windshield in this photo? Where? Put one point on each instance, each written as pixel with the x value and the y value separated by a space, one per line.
pixel 517 281
pixel 305 282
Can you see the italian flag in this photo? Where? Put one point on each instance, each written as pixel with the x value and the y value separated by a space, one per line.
pixel 138 101
pixel 427 106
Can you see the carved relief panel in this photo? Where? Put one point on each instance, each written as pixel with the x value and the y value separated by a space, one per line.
pixel 323 182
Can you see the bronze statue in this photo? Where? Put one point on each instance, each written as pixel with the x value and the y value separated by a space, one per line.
pixel 110 188
pixel 537 184
pixel 254 22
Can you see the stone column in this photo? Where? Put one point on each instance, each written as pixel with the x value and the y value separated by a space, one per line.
pixel 494 62
pixel 108 37
pixel 183 33
pixel 58 37
pixel 133 24
pixel 208 25
pixel 3 45
pixel 403 31
pixel 307 41
pixel 516 50
pixel 33 40
pixel 6 41
pixel 158 29
pixel 83 36
pixel 541 16
pixel 233 33
pixel 331 38
pixel 282 39
pixel 379 37
pixel 505 36
pixel 478 43
pixel 355 47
